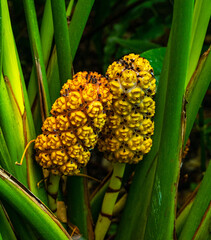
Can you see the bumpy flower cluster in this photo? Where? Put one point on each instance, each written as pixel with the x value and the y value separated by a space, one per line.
pixel 127 133
pixel 77 118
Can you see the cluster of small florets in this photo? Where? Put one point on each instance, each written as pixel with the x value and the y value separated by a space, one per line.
pixel 77 118
pixel 126 136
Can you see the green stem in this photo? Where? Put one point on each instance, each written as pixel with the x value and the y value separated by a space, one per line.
pixel 62 39
pixel 52 189
pixel 104 219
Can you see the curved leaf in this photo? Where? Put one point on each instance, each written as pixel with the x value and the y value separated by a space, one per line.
pixel 30 207
pixel 198 220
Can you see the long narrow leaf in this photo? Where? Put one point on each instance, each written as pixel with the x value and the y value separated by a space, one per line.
pixel 1 45
pixel 196 90
pixel 10 125
pixel 184 211
pixel 22 229
pixel 78 23
pixel 163 203
pixel 31 208
pixel 46 35
pixel 18 106
pixel 37 54
pixel 5 158
pixel 62 40
pixel 198 219
pixel 78 205
pixel 5 226
pixel 201 17
pixel 203 231
pixel 76 28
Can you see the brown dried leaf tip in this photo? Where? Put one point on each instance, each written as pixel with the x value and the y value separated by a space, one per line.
pixel 77 118
pixel 127 133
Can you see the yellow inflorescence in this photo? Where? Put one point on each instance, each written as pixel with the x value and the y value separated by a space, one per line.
pixel 77 118
pixel 126 136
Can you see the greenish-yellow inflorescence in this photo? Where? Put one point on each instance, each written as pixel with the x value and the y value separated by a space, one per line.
pixel 126 136
pixel 77 118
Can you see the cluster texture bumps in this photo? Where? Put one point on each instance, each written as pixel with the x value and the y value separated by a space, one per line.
pixel 126 136
pixel 77 118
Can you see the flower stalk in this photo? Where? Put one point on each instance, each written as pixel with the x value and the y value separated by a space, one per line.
pixel 105 216
pixel 52 187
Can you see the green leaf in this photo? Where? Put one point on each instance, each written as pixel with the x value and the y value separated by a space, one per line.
pixel 5 158
pixel 1 45
pixel 37 57
pixel 163 205
pixel 197 225
pixel 78 205
pixel 12 131
pixel 21 227
pixel 46 35
pixel 76 28
pixel 155 57
pixel 196 90
pixel 204 230
pixel 30 208
pixel 78 23
pixel 182 218
pixel 62 40
pixel 201 17
pixel 53 76
pixel 6 230
pixel 16 118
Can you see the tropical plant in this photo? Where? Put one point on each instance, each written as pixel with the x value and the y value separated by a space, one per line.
pixel 149 210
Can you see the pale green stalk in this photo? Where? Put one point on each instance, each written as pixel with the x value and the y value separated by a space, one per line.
pixel 52 189
pixel 105 216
